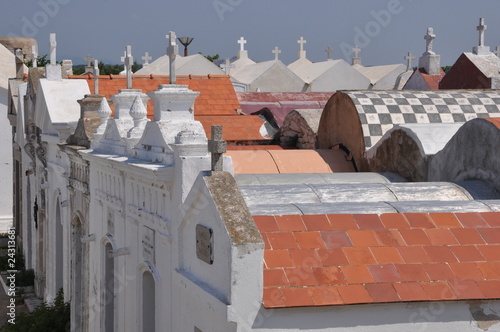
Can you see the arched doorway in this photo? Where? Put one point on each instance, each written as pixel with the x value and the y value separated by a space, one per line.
pixel 59 247
pixel 148 302
pixel 109 289
pixel 77 287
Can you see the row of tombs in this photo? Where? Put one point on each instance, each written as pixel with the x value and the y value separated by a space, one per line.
pixel 129 215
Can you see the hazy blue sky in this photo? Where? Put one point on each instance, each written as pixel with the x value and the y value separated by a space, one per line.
pixel 385 29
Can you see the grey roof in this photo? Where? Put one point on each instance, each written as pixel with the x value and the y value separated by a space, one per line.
pixel 365 193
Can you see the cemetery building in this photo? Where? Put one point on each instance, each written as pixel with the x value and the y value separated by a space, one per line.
pixel 149 225
pixel 476 70
pixel 327 76
pixel 429 73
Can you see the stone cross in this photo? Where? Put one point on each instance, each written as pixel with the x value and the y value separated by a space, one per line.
pixel 497 51
pixel 34 56
pixel 429 37
pixel 217 146
pixel 172 52
pixel 242 43
pixel 329 52
pixel 356 51
pixel 276 52
pixel 88 59
pixel 409 58
pixel 146 59
pixel 96 76
pixel 128 59
pixel 53 45
pixel 481 28
pixel 302 41
pixel 227 65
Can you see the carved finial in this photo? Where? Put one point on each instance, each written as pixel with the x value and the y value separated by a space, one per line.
pixel 104 112
pixel 138 113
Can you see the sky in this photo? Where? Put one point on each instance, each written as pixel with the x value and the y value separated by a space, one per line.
pixel 385 30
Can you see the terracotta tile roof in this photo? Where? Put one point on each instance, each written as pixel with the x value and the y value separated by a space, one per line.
pixel 217 95
pixel 254 147
pixel 235 128
pixel 273 161
pixel 432 80
pixel 217 103
pixel 324 260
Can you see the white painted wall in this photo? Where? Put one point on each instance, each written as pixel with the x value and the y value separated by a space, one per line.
pixel 7 70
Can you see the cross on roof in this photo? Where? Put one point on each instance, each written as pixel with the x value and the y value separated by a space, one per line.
pixel 409 57
pixel 497 51
pixel 301 42
pixel 96 76
pixel 356 51
pixel 329 52
pixel 227 65
pixel 276 52
pixel 89 60
pixel 242 43
pixel 429 37
pixel 146 59
pixel 481 28
pixel 129 61
pixel 217 146
pixel 53 45
pixel 172 52
pixel 34 56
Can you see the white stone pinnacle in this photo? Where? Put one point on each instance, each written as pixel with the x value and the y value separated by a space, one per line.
pixel 138 111
pixel 104 111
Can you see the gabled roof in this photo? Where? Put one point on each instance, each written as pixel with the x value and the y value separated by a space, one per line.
pixel 489 64
pixel 376 73
pixel 195 64
pixel 250 73
pixel 339 259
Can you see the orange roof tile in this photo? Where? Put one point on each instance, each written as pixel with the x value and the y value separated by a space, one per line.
pixel 217 103
pixel 432 80
pixel 340 259
pixel 217 95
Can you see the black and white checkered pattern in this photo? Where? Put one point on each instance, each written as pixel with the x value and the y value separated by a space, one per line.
pixel 380 111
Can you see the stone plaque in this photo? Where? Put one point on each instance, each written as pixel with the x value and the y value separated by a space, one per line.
pixel 148 244
pixel 204 244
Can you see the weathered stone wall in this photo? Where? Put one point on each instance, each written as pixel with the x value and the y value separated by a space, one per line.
pixel 300 129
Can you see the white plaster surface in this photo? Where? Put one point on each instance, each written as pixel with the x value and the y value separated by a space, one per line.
pixel 195 64
pixel 57 108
